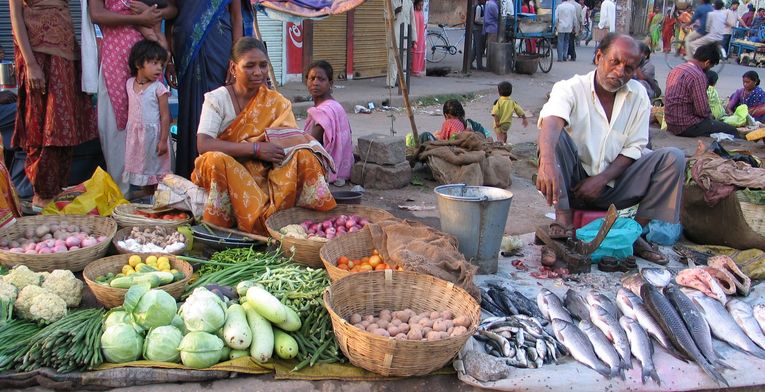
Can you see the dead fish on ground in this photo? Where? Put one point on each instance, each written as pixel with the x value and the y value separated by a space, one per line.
pixel 576 305
pixel 659 277
pixel 759 315
pixel 579 346
pixel 743 315
pixel 724 327
pixel 519 339
pixel 699 279
pixel 641 348
pixel 551 306
pixel 613 331
pixel 595 298
pixel 633 307
pixel 603 348
pixel 632 282
pixel 742 281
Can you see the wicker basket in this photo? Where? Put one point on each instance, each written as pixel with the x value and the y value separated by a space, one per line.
pixel 354 246
pixel 111 297
pixel 754 214
pixel 305 251
pixel 125 216
pixel 74 260
pixel 396 291
pixel 125 232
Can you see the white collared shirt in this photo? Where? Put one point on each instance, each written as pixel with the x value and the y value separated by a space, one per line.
pixel 599 141
pixel 607 16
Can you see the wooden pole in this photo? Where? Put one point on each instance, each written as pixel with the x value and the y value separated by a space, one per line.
pixel 399 68
pixel 271 73
pixel 467 53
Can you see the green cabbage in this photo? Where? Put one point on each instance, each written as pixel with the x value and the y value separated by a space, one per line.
pixel 203 311
pixel 117 317
pixel 161 344
pixel 155 309
pixel 121 343
pixel 200 350
pixel 178 323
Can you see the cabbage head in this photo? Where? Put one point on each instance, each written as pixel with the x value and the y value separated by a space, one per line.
pixel 203 311
pixel 178 323
pixel 155 309
pixel 121 343
pixel 117 317
pixel 161 344
pixel 200 350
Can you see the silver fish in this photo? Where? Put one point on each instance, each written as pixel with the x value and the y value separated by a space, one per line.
pixel 759 315
pixel 595 298
pixel 633 307
pixel 742 313
pixel 502 344
pixel 579 346
pixel 695 323
pixel 674 326
pixel 576 305
pixel 603 348
pixel 613 331
pixel 641 347
pixel 723 325
pixel 541 347
pixel 659 277
pixel 551 306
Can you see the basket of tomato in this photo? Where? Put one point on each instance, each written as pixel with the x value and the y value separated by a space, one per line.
pixel 354 252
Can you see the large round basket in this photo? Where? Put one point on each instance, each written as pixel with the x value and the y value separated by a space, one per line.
pixel 305 251
pixel 125 232
pixel 370 292
pixel 353 246
pixel 126 215
pixel 74 260
pixel 112 297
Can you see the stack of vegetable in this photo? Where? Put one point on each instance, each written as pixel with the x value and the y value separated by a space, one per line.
pixel 327 229
pixel 158 239
pixel 156 271
pixel 169 215
pixel 56 238
pixel 374 262
pixel 42 297
pixel 408 325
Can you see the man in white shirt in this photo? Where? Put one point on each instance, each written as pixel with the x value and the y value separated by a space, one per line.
pixel 572 42
pixel 508 13
pixel 404 14
pixel 607 16
pixel 566 17
pixel 592 146
pixel 716 27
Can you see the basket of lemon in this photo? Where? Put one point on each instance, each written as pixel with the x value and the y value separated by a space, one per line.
pixel 110 278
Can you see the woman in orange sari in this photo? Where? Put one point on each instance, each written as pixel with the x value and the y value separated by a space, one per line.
pixel 250 173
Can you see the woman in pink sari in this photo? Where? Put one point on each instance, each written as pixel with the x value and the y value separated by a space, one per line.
pixel 418 52
pixel 327 121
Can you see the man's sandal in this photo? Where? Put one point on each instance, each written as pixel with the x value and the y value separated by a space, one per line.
pixel 650 252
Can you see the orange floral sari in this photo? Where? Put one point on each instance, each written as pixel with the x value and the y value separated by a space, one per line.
pixel 246 192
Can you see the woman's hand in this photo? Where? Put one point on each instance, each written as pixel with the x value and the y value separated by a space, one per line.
pixel 138 7
pixel 161 148
pixel 171 76
pixel 150 17
pixel 270 152
pixel 36 77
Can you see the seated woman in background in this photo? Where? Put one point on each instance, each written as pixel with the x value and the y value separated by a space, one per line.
pixel 750 95
pixel 327 121
pixel 454 122
pixel 253 161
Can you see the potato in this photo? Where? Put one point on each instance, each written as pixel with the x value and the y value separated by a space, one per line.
pixel 403 316
pixel 404 327
pixel 462 321
pixel 395 322
pixel 381 332
pixel 410 311
pixel 433 335
pixel 372 327
pixel 385 312
pixel 440 326
pixel 401 336
pixel 414 334
pixel 369 318
pixel 447 315
pixel 425 330
pixel 386 316
pixel 424 315
pixel 450 330
pixel 360 326
pixel 383 323
pixel 365 323
pixel 356 318
pixel 414 320
pixel 393 331
pixel 458 331
pixel 435 315
pixel 426 322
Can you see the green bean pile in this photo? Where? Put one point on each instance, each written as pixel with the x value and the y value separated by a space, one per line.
pixel 14 338
pixel 232 266
pixel 301 288
pixel 70 344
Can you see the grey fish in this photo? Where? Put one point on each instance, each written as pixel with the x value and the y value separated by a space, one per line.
pixel 603 348
pixel 525 306
pixel 723 325
pixel 759 314
pixel 541 348
pixel 551 306
pixel 674 326
pixel 595 298
pixel 633 307
pixel 641 347
pixel 659 277
pixel 501 344
pixel 695 322
pixel 576 305
pixel 579 346
pixel 613 331
pixel 743 314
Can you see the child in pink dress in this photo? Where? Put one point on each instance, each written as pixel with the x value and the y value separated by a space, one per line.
pixel 418 52
pixel 148 126
pixel 454 120
pixel 327 121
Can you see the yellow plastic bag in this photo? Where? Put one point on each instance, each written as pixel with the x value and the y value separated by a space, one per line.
pixel 96 196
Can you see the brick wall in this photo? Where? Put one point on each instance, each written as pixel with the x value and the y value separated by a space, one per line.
pixel 447 11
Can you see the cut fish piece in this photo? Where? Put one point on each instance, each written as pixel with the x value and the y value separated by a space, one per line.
pixel 698 278
pixel 725 263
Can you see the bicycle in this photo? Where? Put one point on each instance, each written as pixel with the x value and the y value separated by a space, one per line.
pixel 676 56
pixel 439 45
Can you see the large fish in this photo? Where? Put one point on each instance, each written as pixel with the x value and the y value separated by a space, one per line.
pixel 699 279
pixel 576 305
pixel 641 347
pixel 613 331
pixel 743 315
pixel 632 282
pixel 633 307
pixel 674 327
pixel 552 307
pixel 759 315
pixel 525 305
pixel 724 327
pixel 659 277
pixel 579 346
pixel 595 298
pixel 603 348
pixel 695 323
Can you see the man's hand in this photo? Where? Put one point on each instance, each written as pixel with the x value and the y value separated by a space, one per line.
pixel 270 152
pixel 7 97
pixel 590 188
pixel 547 181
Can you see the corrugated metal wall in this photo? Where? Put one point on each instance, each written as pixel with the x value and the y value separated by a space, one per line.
pixel 6 32
pixel 369 55
pixel 330 43
pixel 272 32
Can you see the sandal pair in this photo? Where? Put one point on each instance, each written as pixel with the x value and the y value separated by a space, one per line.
pixel 613 264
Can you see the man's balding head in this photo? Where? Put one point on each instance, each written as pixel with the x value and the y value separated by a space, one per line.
pixel 617 58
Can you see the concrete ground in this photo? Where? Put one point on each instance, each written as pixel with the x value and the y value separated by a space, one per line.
pixel 528 208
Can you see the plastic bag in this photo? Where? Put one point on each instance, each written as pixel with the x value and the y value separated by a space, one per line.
pixel 664 233
pixel 96 196
pixel 618 242
pixel 739 116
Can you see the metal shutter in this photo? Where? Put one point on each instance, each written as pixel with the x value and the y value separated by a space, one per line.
pixel 370 59
pixel 272 33
pixel 330 43
pixel 6 31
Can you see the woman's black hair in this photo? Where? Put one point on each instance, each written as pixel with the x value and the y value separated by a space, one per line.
pixel 143 51
pixel 712 77
pixel 645 50
pixel 322 64
pixel 246 44
pixel 454 107
pixel 753 76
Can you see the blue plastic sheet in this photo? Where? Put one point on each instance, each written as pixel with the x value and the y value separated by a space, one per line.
pixel 664 233
pixel 618 242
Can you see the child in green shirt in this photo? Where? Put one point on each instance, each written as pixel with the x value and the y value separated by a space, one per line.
pixel 503 111
pixel 715 103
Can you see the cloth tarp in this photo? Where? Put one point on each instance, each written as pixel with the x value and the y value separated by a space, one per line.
pixel 719 177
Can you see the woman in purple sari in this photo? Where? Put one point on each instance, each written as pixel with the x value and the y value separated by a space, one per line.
pixel 750 95
pixel 200 38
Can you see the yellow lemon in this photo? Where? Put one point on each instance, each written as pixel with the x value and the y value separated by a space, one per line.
pixel 139 266
pixel 127 268
pixel 134 260
pixel 151 260
pixel 131 272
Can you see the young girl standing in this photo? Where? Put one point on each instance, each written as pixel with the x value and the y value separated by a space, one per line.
pixel 148 125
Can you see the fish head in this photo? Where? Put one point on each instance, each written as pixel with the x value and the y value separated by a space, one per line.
pixel 585 325
pixel 659 277
pixel 597 311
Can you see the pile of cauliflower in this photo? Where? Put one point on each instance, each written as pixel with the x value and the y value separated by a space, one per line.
pixel 41 296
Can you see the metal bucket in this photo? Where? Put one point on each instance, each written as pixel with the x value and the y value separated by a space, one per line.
pixel 7 74
pixel 476 215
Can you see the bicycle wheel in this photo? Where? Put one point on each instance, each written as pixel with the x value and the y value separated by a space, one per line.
pixel 437 48
pixel 676 54
pixel 544 49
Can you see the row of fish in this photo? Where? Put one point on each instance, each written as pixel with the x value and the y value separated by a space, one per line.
pixel 501 301
pixel 520 340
